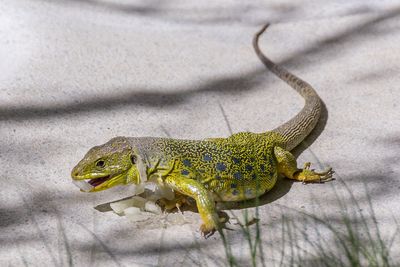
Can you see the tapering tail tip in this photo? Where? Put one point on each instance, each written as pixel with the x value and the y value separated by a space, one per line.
pixel 258 34
pixel 296 129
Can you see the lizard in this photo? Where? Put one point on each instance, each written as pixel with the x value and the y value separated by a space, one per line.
pixel 242 166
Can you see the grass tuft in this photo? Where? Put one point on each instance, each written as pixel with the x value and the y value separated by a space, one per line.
pixel 353 238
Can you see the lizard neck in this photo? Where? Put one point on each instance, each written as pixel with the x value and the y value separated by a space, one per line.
pixel 149 153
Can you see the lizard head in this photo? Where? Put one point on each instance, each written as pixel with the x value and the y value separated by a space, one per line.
pixel 108 165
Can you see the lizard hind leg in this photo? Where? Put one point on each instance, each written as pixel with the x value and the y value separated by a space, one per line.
pixel 287 166
pixel 178 202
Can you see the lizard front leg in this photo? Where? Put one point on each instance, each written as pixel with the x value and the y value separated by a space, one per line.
pixel 204 200
pixel 287 166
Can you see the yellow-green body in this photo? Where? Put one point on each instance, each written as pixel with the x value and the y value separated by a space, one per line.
pixel 240 167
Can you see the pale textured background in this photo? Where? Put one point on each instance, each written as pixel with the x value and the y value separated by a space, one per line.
pixel 77 73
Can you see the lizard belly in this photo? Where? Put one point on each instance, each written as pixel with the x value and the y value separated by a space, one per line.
pixel 247 189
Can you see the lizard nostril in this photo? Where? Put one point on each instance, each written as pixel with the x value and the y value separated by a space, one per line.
pixel 74 173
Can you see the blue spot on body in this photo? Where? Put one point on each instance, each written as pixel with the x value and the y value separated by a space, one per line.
pixel 237 175
pixel 236 160
pixel 207 158
pixel 254 176
pixel 220 166
pixel 235 192
pixel 262 166
pixel 218 177
pixel 184 172
pixel 187 163
pixel 233 185
pixel 249 168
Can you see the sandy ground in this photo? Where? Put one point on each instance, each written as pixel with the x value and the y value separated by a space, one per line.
pixel 77 73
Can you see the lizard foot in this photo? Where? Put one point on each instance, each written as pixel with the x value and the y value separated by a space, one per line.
pixel 176 203
pixel 209 228
pixel 307 175
pixel 166 205
pixel 223 217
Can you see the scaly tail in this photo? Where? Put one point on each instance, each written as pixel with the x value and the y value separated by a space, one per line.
pixel 296 129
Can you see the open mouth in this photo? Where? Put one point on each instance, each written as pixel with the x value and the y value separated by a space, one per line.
pixel 89 184
pixel 98 181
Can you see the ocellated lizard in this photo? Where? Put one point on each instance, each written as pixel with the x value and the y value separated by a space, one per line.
pixel 240 167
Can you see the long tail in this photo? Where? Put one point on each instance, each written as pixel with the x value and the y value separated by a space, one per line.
pixel 297 128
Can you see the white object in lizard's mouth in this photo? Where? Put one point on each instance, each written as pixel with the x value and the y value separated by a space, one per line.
pixel 89 184
pixel 83 185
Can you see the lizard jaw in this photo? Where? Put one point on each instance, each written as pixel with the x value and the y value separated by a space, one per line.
pixel 98 181
pixel 90 185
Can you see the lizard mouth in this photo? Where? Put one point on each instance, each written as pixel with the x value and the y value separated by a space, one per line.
pixel 98 181
pixel 90 185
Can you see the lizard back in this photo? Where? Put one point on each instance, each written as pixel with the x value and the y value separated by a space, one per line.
pixel 239 167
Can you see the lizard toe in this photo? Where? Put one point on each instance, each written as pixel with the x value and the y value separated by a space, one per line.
pixel 207 230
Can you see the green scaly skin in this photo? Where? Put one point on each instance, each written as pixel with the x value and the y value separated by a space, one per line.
pixel 240 167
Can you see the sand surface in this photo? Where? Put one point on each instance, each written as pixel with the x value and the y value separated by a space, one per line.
pixel 76 73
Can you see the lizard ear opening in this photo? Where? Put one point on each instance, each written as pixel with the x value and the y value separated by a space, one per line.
pixel 133 159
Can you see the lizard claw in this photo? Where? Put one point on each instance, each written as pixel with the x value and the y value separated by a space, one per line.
pixel 227 228
pixel 307 165
pixel 325 176
pixel 218 223
pixel 207 231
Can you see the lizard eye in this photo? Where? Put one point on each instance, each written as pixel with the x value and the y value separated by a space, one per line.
pixel 133 159
pixel 100 163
